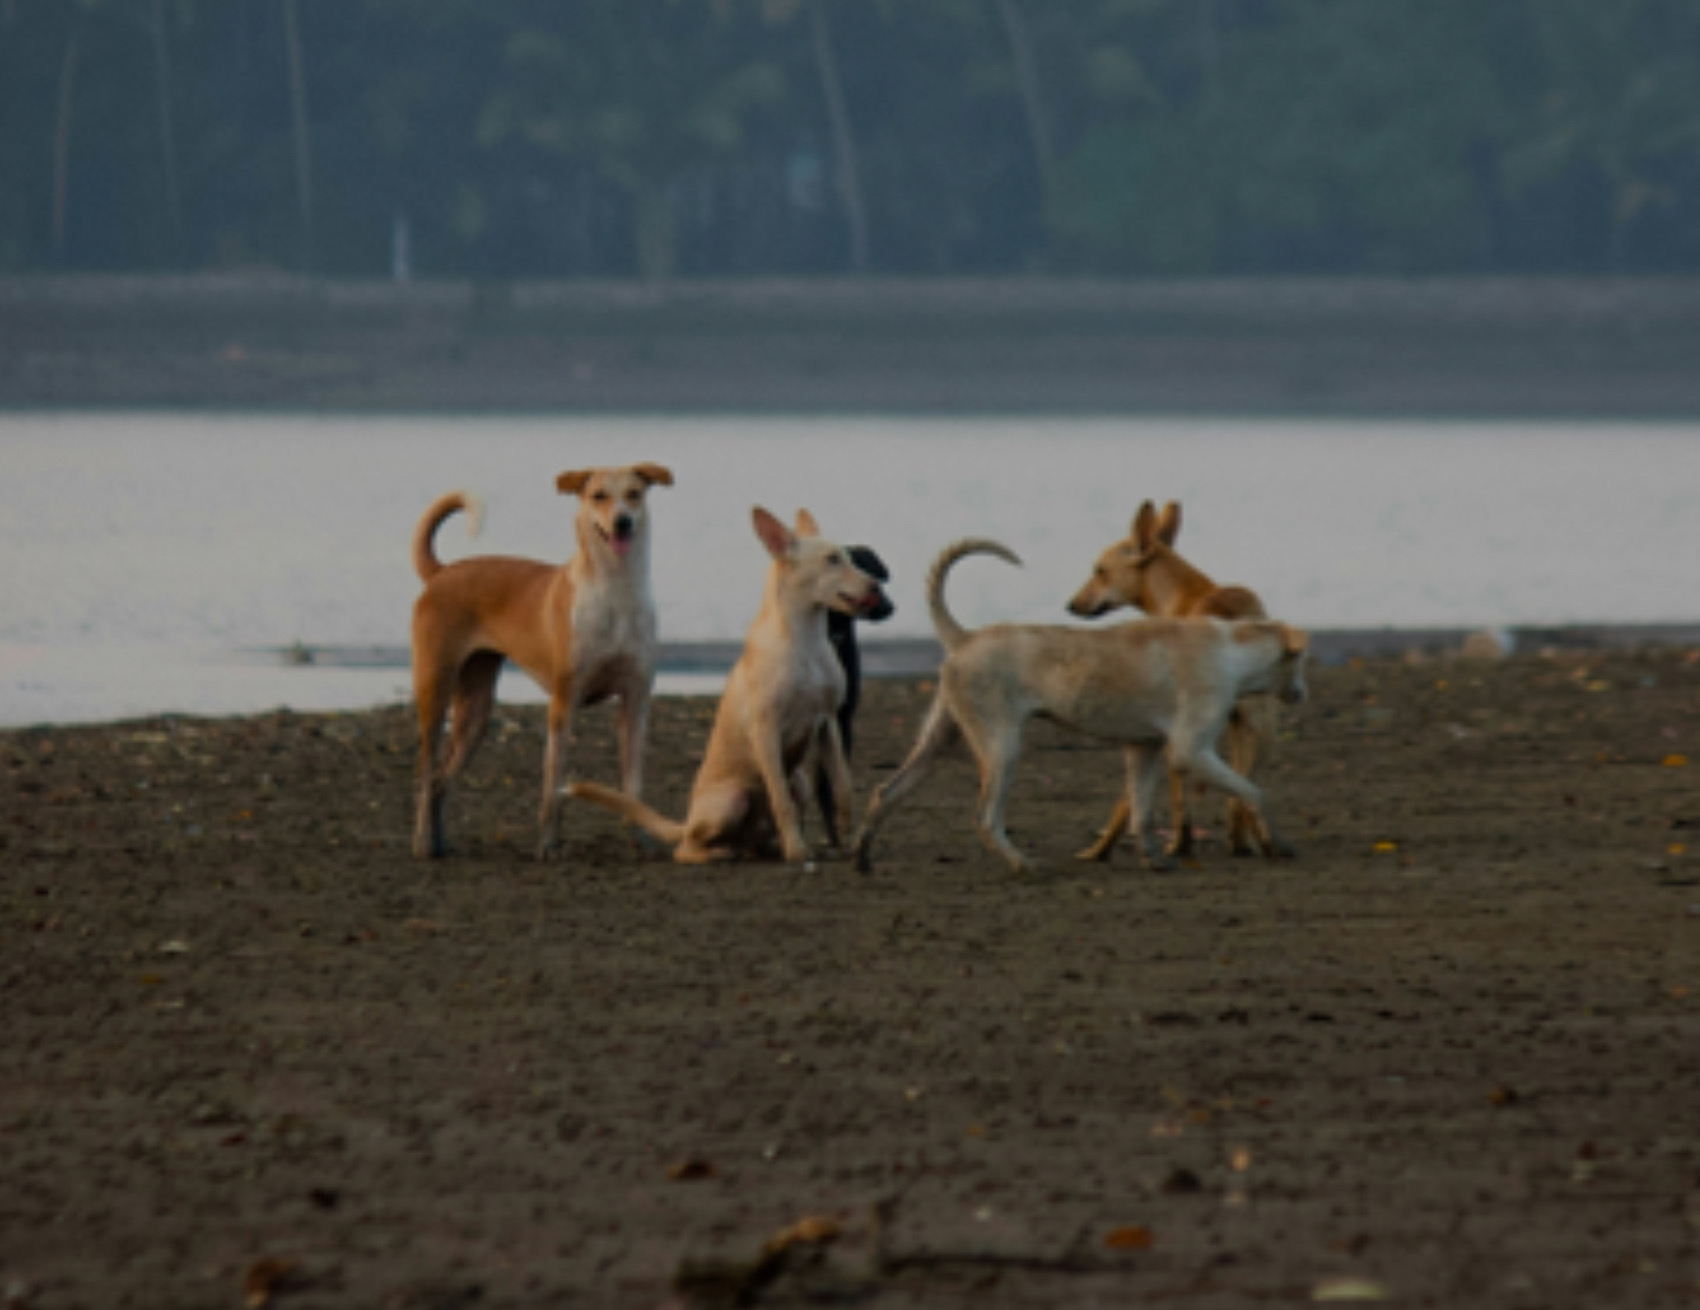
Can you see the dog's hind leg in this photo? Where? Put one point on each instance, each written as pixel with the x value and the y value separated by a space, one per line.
pixel 997 746
pixel 717 820
pixel 433 686
pixel 474 700
pixel 938 733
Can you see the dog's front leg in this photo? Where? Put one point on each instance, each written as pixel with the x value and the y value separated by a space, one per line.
pixel 1205 764
pixel 634 734
pixel 841 791
pixel 554 768
pixel 1145 770
pixel 770 760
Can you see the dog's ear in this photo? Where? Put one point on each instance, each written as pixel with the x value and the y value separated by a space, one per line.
pixel 571 484
pixel 1145 525
pixel 806 525
pixel 779 539
pixel 656 475
pixel 1169 523
pixel 1296 640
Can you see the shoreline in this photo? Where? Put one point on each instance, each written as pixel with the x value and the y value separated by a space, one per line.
pixel 908 657
pixel 47 689
pixel 1434 347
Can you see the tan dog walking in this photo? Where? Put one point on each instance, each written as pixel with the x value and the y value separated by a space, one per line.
pixel 1146 572
pixel 1166 685
pixel 778 710
pixel 584 630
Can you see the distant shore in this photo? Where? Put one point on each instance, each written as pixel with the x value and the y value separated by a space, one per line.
pixel 908 657
pixel 1439 347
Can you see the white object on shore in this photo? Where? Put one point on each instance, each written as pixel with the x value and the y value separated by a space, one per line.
pixel 1489 644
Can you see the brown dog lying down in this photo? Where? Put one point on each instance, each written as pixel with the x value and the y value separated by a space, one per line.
pixel 1158 685
pixel 1146 572
pixel 780 707
pixel 584 630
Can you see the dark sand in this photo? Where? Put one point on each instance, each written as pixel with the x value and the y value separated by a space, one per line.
pixel 1449 1055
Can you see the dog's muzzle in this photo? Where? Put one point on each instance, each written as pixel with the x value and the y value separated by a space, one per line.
pixel 623 534
pixel 877 607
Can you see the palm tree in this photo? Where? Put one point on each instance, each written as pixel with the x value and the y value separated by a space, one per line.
pixel 303 143
pixel 849 170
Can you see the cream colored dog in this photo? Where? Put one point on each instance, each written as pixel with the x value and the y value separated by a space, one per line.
pixel 584 631
pixel 1155 685
pixel 779 708
pixel 1146 572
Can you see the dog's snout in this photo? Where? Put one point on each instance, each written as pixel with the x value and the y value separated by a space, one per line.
pixel 624 525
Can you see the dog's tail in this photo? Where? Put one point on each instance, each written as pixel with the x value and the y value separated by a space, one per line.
pixel 425 561
pixel 658 826
pixel 952 633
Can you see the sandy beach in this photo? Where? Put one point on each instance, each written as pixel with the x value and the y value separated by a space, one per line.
pixel 1446 1056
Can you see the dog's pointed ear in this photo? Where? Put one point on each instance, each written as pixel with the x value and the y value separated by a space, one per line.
pixel 1169 523
pixel 780 541
pixel 1296 640
pixel 571 484
pixel 656 475
pixel 806 525
pixel 1145 525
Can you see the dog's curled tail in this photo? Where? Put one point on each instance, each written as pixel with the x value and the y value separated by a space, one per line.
pixel 425 561
pixel 950 632
pixel 658 826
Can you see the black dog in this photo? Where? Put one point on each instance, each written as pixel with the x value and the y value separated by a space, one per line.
pixel 841 632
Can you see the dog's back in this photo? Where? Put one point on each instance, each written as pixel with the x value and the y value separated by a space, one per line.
pixel 1129 682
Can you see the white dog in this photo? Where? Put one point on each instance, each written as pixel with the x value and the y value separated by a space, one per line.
pixel 1161 683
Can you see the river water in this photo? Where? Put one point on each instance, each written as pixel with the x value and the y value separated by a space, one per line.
pixel 158 562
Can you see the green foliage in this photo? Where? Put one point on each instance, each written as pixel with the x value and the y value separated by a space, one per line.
pixel 1113 136
pixel 1344 132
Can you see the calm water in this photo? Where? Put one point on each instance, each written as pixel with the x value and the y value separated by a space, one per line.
pixel 150 561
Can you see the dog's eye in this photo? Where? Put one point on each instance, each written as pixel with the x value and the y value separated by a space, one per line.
pixel 599 497
pixel 835 559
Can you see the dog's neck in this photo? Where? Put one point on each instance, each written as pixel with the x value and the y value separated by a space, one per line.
pixel 1174 585
pixel 785 609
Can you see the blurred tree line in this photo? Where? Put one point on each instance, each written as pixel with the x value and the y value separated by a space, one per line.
pixel 559 138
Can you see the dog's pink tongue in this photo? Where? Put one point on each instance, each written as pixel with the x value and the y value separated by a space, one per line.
pixel 621 545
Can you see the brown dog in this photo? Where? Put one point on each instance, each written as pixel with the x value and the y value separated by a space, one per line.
pixel 584 630
pixel 779 709
pixel 1145 572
